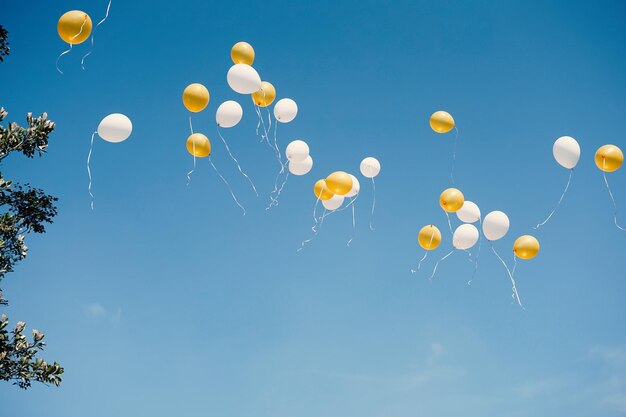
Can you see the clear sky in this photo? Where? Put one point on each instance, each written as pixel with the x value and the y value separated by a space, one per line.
pixel 166 301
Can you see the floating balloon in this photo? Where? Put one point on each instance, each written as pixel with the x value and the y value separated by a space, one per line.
pixel 495 225
pixel 566 151
pixel 451 200
pixel 297 151
pixel 465 236
pixel 429 237
pixel 115 128
pixel 321 191
pixel 370 167
pixel 198 145
pixel 243 79
pixel 265 95
pixel 333 203
pixel 285 110
pixel 196 97
pixel 356 187
pixel 441 122
pixel 74 27
pixel 526 247
pixel 242 53
pixel 302 167
pixel 228 114
pixel 339 182
pixel 609 158
pixel 469 212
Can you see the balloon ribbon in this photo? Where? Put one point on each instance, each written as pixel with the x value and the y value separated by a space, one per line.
pixel 82 61
pixel 559 203
pixel 89 168
pixel 236 161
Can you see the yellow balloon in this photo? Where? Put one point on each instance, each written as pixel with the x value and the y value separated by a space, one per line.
pixel 265 96
pixel 321 190
pixel 609 158
pixel 429 237
pixel 526 247
pixel 339 183
pixel 199 145
pixel 242 53
pixel 74 27
pixel 441 122
pixel 451 200
pixel 196 97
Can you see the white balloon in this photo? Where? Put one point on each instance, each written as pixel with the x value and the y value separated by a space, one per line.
pixel 333 203
pixel 243 79
pixel 301 168
pixel 465 236
pixel 356 187
pixel 115 128
pixel 370 167
pixel 469 212
pixel 285 110
pixel 297 151
pixel 566 151
pixel 228 114
pixel 495 225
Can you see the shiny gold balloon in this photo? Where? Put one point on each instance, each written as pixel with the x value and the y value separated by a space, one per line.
pixel 429 237
pixel 339 183
pixel 74 27
pixel 526 247
pixel 451 200
pixel 265 96
pixel 242 53
pixel 196 97
pixel 609 158
pixel 199 145
pixel 321 190
pixel 441 122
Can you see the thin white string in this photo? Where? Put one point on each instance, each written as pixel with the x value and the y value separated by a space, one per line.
pixel 258 125
pixel 373 203
pixel 227 185
pixel 89 169
pixel 480 240
pixel 82 61
pixel 353 203
pixel 515 294
pixel 314 228
pixel 456 136
pixel 219 132
pixel 69 50
pixel 559 203
pixel 193 144
pixel 437 264
pixel 606 182
pixel 449 223
pixel 278 190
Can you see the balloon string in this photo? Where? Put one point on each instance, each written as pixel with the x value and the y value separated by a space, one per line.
pixel 227 185
pixel 193 144
pixel 352 202
pixel 258 125
pixel 89 168
pixel 514 264
pixel 515 294
pixel 69 50
pixel 606 182
pixel 437 264
pixel 278 190
pixel 219 132
pixel 82 61
pixel 373 203
pixel 559 203
pixel 419 265
pixel 313 228
pixel 449 223
pixel 480 240
pixel 456 136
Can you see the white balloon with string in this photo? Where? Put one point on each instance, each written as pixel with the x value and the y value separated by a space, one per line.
pixel 297 151
pixel 333 203
pixel 300 168
pixel 114 128
pixel 370 168
pixel 243 79
pixel 469 212
pixel 285 110
pixel 464 237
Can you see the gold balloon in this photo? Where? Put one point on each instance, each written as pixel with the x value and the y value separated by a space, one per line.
pixel 321 190
pixel 199 145
pixel 429 237
pixel 451 200
pixel 441 122
pixel 609 158
pixel 265 96
pixel 526 247
pixel 339 183
pixel 74 27
pixel 196 97
pixel 242 53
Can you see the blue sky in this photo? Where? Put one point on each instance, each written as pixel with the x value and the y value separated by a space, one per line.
pixel 165 301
